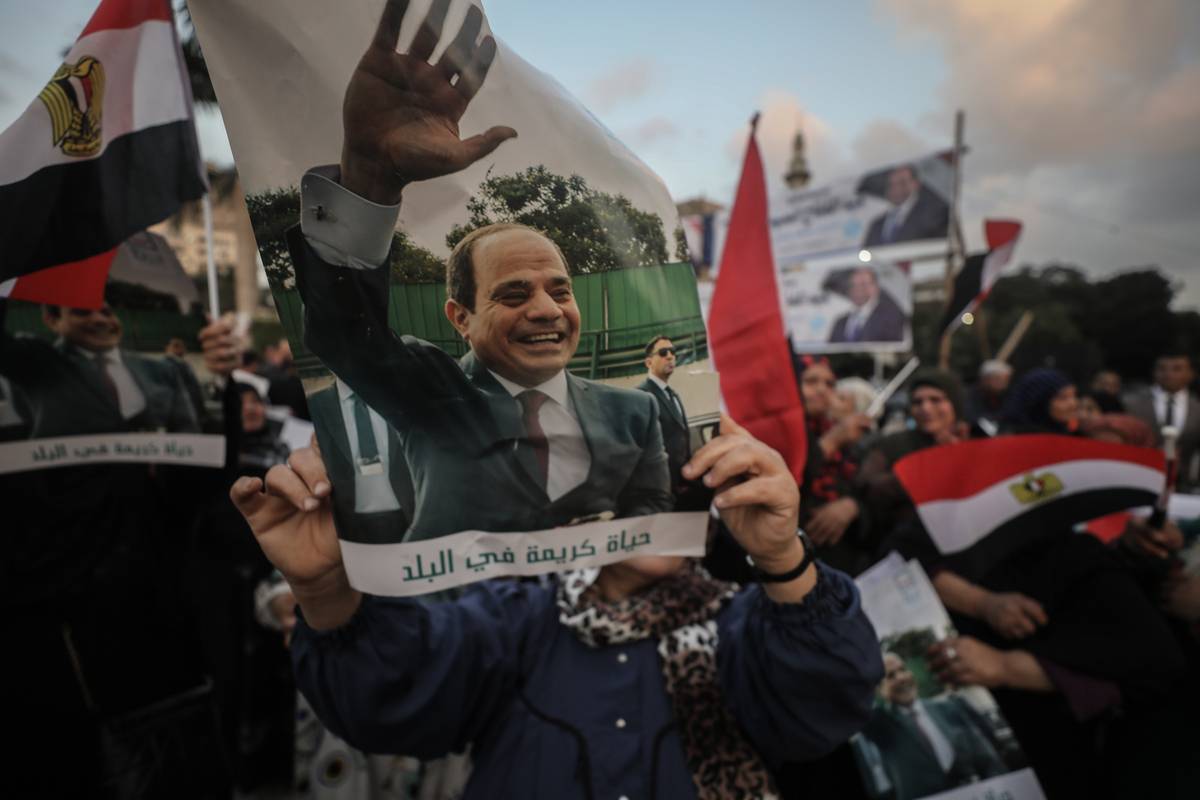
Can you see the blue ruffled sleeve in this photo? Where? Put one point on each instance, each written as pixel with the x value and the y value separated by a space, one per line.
pixel 799 677
pixel 419 679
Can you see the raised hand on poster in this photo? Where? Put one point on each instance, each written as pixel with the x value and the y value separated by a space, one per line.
pixel 401 113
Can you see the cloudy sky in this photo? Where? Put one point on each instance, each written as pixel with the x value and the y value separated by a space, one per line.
pixel 1083 116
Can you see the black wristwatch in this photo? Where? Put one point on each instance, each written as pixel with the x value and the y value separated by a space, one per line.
pixel 791 575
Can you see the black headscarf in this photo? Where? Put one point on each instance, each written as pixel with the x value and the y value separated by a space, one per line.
pixel 945 382
pixel 1028 405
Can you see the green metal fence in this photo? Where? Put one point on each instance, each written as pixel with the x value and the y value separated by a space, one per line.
pixel 619 311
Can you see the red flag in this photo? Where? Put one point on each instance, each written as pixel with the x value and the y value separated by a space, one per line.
pixel 745 326
pixel 79 284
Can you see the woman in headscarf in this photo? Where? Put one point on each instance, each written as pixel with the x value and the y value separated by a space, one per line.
pixel 936 407
pixel 1079 659
pixel 1042 401
pixel 645 678
pixel 262 446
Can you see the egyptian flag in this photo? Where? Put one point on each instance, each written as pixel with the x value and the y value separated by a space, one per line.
pixel 984 499
pixel 745 326
pixel 981 271
pixel 105 150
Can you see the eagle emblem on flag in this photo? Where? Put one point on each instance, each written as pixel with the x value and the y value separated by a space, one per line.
pixel 73 98
pixel 1036 488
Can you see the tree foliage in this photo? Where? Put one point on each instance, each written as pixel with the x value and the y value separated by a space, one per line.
pixel 681 246
pixel 274 211
pixel 193 59
pixel 271 213
pixel 913 646
pixel 596 231
pixel 1079 326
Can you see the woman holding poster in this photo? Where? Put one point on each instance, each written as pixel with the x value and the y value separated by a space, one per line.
pixel 648 677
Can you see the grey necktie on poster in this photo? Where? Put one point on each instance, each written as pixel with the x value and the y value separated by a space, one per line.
pixel 853 328
pixel 531 402
pixel 890 223
pixel 106 378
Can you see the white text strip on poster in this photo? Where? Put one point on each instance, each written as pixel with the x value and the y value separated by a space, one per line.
pixel 412 568
pixel 190 449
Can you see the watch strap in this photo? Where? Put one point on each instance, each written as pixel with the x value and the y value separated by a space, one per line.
pixel 768 577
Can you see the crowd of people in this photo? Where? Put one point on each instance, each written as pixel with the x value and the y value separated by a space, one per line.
pixel 165 631
pixel 1087 647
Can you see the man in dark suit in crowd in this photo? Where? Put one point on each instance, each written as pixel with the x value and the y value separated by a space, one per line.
pixel 85 383
pixel 506 439
pixel 1169 402
pixel 660 365
pixel 927 746
pixel 916 213
pixel 876 317
pixel 365 458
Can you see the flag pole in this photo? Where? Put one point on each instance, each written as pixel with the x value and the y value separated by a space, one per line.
pixel 1014 337
pixel 954 234
pixel 214 303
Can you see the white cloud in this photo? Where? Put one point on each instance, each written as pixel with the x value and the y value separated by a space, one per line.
pixel 652 132
pixel 627 81
pixel 1083 118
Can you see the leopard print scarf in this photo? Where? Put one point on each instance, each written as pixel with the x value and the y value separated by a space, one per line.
pixel 679 611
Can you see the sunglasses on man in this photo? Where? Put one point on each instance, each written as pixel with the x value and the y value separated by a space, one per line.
pixel 663 352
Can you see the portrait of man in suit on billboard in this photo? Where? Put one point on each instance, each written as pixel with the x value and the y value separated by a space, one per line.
pixel 916 213
pixel 876 316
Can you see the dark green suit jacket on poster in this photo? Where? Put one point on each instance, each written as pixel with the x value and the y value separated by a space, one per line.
pixel 465 444
pixel 913 767
pixel 65 397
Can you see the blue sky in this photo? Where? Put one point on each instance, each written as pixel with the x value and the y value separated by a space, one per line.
pixel 1083 116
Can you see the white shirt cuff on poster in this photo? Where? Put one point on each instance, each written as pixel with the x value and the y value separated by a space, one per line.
pixel 342 227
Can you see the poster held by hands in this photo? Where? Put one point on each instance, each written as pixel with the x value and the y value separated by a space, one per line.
pixel 484 274
pixel 926 738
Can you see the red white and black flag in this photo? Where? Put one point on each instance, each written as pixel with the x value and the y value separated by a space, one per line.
pixel 982 499
pixel 105 150
pixel 981 271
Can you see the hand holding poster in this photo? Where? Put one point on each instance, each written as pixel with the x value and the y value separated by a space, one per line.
pixel 927 739
pixel 462 412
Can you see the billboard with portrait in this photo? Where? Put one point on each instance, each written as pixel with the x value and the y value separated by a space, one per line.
pixel 847 306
